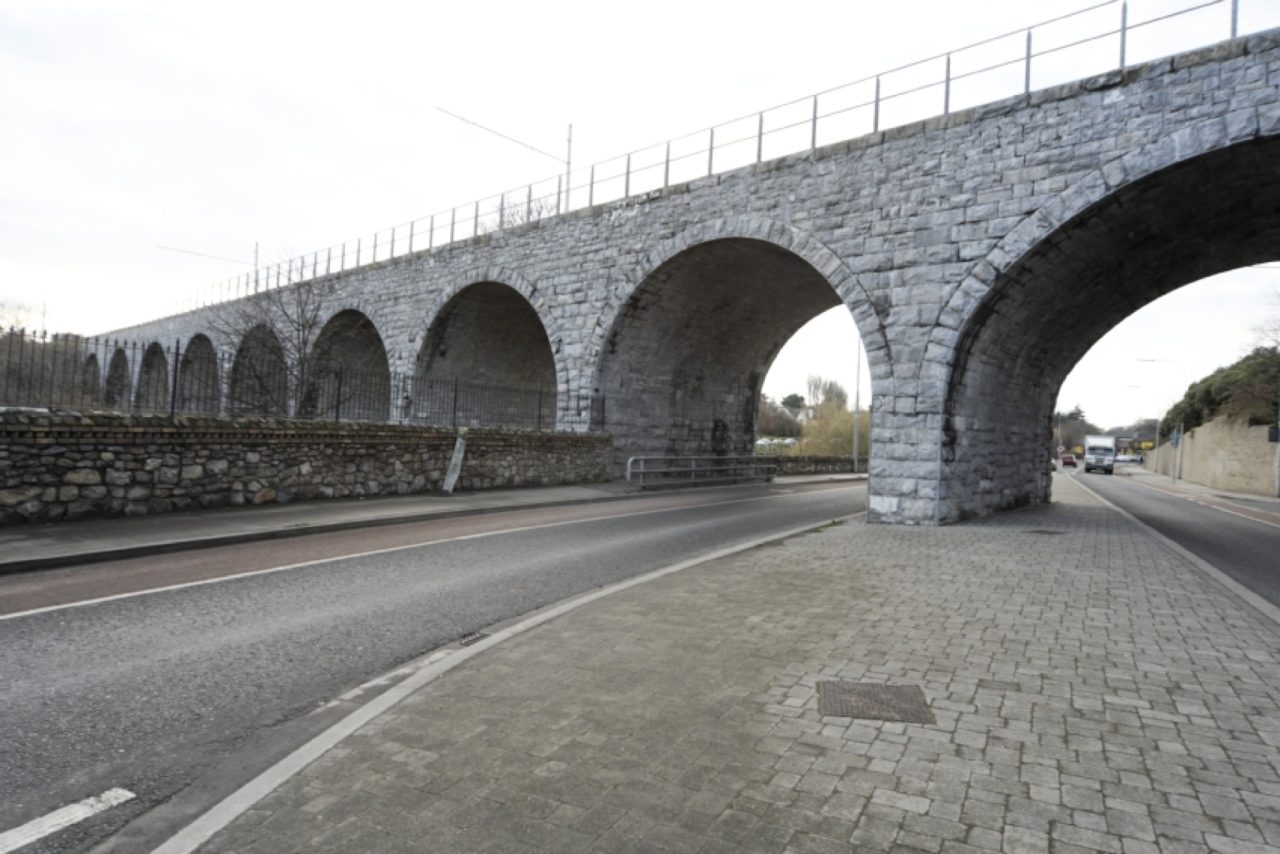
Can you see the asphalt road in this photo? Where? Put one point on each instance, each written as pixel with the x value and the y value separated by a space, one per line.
pixel 1238 536
pixel 180 695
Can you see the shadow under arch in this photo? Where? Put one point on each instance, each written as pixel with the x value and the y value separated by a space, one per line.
pixel 687 353
pixel 348 377
pixel 259 382
pixel 1045 307
pixel 153 381
pixel 486 359
pixel 199 385
pixel 116 392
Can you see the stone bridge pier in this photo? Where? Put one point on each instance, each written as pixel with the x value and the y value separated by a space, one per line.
pixel 980 254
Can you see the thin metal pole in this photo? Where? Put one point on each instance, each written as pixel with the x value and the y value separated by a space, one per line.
pixel 528 205
pixel 391 251
pixel 453 221
pixel 875 121
pixel 502 211
pixel 559 191
pixel 431 233
pixel 626 183
pixel 1026 89
pixel 342 263
pixel 946 89
pixel 173 392
pixel 666 168
pixel 711 153
pixel 475 222
pixel 591 187
pixel 760 137
pixel 1124 29
pixel 328 261
pixel 813 126
pixel 568 169
pixel 1235 18
pixel 412 228
pixel 358 247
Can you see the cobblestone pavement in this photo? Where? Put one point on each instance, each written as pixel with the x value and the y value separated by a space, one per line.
pixel 1092 692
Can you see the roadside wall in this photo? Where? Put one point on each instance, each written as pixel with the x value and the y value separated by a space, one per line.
pixel 818 465
pixel 1223 455
pixel 70 466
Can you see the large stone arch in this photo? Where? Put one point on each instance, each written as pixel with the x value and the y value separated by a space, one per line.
pixel 116 391
pixel 688 349
pixel 259 383
pixel 348 376
pixel 1199 202
pixel 152 394
pixel 486 359
pixel 199 383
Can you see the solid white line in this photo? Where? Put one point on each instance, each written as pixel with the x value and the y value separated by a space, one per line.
pixel 1234 587
pixel 36 829
pixel 373 553
pixel 229 809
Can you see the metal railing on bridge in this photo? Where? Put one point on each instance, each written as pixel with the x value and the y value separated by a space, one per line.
pixel 1093 40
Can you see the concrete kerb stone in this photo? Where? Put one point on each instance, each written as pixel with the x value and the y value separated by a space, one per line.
pixel 1091 690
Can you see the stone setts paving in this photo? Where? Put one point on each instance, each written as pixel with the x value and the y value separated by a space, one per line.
pixel 1093 691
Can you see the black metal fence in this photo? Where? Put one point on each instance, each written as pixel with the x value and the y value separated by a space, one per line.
pixel 39 370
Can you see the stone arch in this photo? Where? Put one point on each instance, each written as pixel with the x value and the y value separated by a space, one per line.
pixel 486 359
pixel 1199 202
pixel 348 376
pixel 847 285
pixel 199 383
pixel 152 394
pixel 90 381
pixel 688 349
pixel 259 383
pixel 116 393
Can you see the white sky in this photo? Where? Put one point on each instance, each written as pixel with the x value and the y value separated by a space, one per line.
pixel 132 125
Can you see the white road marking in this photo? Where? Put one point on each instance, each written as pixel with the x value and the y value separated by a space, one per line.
pixel 1208 504
pixel 37 829
pixel 234 805
pixel 373 553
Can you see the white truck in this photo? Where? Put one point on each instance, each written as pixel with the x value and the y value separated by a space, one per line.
pixel 1100 453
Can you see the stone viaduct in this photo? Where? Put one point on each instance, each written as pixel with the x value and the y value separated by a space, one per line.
pixel 980 254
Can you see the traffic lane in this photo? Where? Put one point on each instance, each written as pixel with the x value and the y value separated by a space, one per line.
pixel 51 587
pixel 129 691
pixel 1245 549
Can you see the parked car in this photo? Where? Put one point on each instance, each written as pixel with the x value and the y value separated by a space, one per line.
pixel 1068 460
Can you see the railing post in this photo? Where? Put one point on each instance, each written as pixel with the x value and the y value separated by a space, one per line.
pixel 412 228
pixel 1124 30
pixel 431 233
pixel 875 119
pixel 375 248
pixel 760 137
pixel 1235 18
pixel 455 401
pixel 328 260
pixel 502 211
pixel 359 240
pixel 539 410
pixel 391 250
pixel 946 89
pixel 711 153
pixel 1026 89
pixel 453 221
pixel 591 187
pixel 666 168
pixel 475 222
pixel 626 182
pixel 528 205
pixel 173 392
pixel 337 400
pixel 559 192
pixel 813 126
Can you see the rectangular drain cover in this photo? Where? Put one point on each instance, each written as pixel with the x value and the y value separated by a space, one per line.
pixel 474 637
pixel 905 703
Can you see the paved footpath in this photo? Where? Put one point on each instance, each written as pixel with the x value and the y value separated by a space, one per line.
pixel 1092 691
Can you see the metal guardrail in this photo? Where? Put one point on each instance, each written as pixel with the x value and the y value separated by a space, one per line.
pixel 1098 38
pixel 650 472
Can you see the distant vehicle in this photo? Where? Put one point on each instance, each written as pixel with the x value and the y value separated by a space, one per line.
pixel 1068 460
pixel 1100 453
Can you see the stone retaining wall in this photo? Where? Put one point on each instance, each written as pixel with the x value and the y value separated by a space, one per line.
pixel 70 466
pixel 1223 455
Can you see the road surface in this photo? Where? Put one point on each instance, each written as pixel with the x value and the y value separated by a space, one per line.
pixel 116 678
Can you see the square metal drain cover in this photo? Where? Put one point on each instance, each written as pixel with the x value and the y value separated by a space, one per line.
pixel 905 703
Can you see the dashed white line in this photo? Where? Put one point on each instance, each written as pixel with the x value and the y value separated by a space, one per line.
pixel 37 829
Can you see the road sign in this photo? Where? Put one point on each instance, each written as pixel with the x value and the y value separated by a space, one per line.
pixel 1061 449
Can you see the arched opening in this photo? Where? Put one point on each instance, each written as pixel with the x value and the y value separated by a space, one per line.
pixel 91 381
pixel 199 386
pixel 686 356
pixel 116 393
pixel 486 361
pixel 1202 216
pixel 259 375
pixel 153 381
pixel 349 378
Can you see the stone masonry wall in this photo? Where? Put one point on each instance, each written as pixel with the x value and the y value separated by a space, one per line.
pixel 1223 455
pixel 71 466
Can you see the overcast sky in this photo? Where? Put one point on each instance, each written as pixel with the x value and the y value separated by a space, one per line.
pixel 130 126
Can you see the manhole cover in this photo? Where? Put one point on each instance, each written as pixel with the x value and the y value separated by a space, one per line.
pixel 905 703
pixel 1044 531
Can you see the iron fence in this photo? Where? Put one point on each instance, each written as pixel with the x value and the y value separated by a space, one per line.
pixel 72 372
pixel 1099 38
